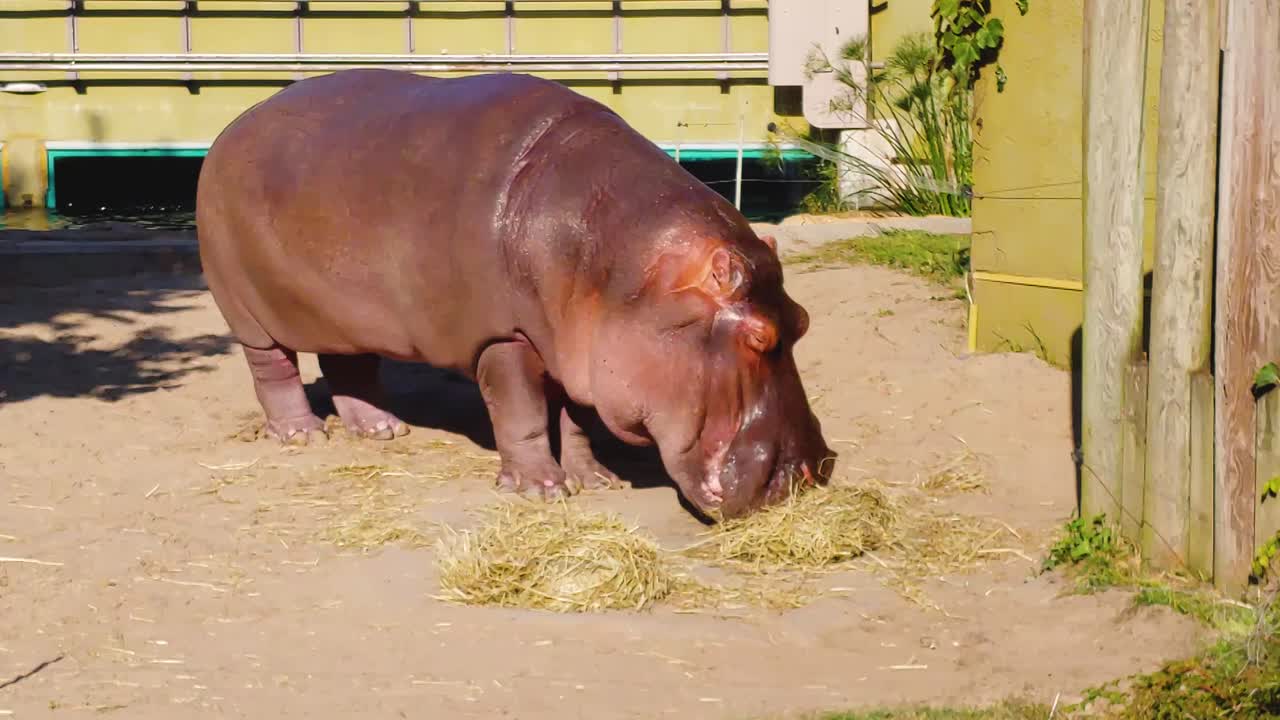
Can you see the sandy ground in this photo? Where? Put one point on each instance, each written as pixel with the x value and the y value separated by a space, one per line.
pixel 186 585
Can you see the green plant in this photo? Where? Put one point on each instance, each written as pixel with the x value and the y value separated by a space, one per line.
pixel 1264 381
pixel 942 258
pixel 924 125
pixel 1008 710
pixel 1099 555
pixel 1265 554
pixel 968 38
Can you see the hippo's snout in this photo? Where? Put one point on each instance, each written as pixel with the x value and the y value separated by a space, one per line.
pixel 767 476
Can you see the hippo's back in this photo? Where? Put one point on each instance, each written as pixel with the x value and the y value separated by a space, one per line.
pixel 361 211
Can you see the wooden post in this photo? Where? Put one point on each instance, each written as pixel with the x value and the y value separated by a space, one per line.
pixel 1247 324
pixel 1200 550
pixel 1115 37
pixel 1182 283
pixel 1133 465
pixel 1266 466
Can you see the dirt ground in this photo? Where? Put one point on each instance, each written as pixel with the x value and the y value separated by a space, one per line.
pixel 189 572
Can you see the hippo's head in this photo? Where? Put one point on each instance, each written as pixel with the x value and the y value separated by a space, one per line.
pixel 699 361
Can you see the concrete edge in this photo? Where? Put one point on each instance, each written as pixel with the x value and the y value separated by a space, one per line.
pixel 45 258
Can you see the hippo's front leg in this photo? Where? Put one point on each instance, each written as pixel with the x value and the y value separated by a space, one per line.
pixel 512 380
pixel 577 459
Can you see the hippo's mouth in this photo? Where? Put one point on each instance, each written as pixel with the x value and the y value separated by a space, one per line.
pixel 712 491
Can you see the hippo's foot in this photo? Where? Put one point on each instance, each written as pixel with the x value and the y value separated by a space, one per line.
pixel 357 395
pixel 578 461
pixel 537 480
pixel 589 473
pixel 297 431
pixel 368 421
pixel 279 389
pixel 511 379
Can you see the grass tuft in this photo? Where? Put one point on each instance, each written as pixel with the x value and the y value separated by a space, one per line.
pixel 941 258
pixel 1008 710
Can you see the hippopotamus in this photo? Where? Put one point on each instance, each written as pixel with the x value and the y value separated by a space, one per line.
pixel 511 230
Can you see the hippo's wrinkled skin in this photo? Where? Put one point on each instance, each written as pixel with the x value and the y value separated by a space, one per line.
pixel 512 230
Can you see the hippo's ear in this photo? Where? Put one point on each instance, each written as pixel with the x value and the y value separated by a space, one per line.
pixel 726 275
pixel 771 241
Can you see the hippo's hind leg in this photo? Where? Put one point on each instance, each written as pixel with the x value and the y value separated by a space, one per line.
pixel 513 382
pixel 576 457
pixel 279 389
pixel 358 396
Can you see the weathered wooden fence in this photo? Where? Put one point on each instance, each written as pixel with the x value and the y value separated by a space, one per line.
pixel 1176 447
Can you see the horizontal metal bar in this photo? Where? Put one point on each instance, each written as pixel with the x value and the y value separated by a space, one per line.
pixel 170 145
pixel 392 2
pixel 413 67
pixel 390 58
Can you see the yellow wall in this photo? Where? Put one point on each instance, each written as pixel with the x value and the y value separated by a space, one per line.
pixel 689 107
pixel 896 19
pixel 1028 216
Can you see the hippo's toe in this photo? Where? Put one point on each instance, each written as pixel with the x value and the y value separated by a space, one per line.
pixel 543 481
pixel 590 474
pixel 366 420
pixel 297 431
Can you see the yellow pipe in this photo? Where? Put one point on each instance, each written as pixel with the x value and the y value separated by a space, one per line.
pixel 1044 282
pixel 973 327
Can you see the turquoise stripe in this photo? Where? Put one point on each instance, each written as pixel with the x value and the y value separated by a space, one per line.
pixel 732 154
pixel 51 198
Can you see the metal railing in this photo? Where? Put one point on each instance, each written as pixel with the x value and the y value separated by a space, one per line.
pixel 325 62
pixel 188 62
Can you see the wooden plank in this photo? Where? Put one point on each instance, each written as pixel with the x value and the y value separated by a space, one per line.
pixel 1115 36
pixel 1182 283
pixel 1200 542
pixel 1247 274
pixel 1133 473
pixel 1266 466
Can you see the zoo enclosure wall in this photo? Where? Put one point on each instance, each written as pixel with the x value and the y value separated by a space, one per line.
pixel 1028 233
pixel 688 74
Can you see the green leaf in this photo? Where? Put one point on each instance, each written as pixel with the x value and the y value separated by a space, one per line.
pixel 1272 488
pixel 1022 7
pixel 1001 79
pixel 1081 550
pixel 966 54
pixel 1268 377
pixel 947 8
pixel 989 35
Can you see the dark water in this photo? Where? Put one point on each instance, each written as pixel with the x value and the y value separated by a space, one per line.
pixel 156 219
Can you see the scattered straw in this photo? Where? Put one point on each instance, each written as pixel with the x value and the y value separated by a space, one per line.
pixel 961 474
pixel 811 530
pixel 370 512
pixel 552 558
pixel 944 544
pixel 29 561
pixel 365 473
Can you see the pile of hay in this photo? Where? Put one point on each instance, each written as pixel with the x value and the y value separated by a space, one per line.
pixel 811 530
pixel 554 558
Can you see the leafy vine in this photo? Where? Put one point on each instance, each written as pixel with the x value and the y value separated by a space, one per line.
pixel 969 38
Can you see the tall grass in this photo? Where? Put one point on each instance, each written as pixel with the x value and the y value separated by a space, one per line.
pixel 918 112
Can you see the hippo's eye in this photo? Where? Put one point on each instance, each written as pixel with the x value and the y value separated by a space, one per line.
pixel 759 333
